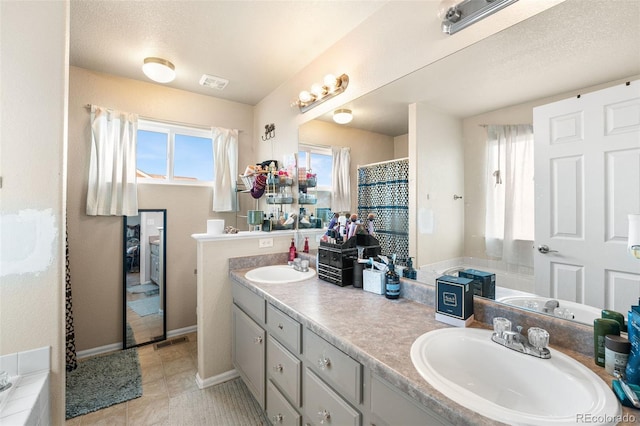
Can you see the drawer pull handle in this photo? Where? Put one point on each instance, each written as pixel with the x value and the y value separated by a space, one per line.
pixel 324 362
pixel 257 340
pixel 280 326
pixel 278 368
pixel 277 418
pixel 324 416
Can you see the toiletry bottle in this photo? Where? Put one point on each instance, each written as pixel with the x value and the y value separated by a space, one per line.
pixel 392 283
pixel 606 313
pixel 292 251
pixel 602 327
pixel 410 272
pixel 306 245
pixel 632 372
pixel 616 353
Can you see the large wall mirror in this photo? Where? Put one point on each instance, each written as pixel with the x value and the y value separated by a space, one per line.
pixel 490 82
pixel 144 272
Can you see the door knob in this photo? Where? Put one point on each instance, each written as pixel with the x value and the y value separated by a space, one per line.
pixel 544 249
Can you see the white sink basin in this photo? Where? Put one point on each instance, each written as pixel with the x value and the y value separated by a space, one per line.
pixel 581 313
pixel 507 386
pixel 277 274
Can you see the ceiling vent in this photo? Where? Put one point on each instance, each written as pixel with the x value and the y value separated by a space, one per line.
pixel 214 82
pixel 468 12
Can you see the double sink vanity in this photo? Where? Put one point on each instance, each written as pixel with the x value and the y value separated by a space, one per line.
pixel 315 353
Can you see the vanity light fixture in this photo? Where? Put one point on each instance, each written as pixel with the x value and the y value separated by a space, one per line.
pixel 456 17
pixel 330 87
pixel 159 70
pixel 342 116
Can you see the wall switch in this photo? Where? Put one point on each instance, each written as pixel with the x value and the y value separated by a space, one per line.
pixel 265 242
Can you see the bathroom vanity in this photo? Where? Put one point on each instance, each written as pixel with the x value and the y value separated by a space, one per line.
pixel 311 351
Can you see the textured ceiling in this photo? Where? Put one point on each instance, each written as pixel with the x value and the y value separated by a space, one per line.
pixel 571 46
pixel 256 45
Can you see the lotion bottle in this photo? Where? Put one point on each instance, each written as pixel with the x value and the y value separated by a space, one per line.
pixel 292 251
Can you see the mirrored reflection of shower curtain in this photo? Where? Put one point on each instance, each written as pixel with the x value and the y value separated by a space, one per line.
pixel 71 360
pixel 383 189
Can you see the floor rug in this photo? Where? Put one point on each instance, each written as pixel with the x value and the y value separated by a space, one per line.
pixel 130 337
pixel 142 288
pixel 227 404
pixel 146 306
pixel 103 381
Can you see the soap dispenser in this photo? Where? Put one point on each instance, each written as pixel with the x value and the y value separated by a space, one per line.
pixel 306 245
pixel 292 251
pixel 410 272
pixel 392 282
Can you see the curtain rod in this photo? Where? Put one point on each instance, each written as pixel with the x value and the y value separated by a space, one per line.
pixel 175 123
pixel 382 162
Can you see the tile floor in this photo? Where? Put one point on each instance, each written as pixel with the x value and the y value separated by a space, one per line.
pixel 166 373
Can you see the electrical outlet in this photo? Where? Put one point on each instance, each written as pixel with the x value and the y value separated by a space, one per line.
pixel 265 242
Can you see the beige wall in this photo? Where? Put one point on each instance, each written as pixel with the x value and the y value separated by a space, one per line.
pixel 401 146
pixel 33 140
pixel 95 242
pixel 366 147
pixel 475 137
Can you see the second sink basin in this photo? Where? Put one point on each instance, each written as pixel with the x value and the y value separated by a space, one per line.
pixel 277 274
pixel 514 388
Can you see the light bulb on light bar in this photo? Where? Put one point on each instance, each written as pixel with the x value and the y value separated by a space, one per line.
pixel 159 70
pixel 342 116
pixel 319 93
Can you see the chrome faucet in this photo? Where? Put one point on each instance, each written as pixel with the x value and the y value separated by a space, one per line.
pixel 535 345
pixel 301 265
pixel 550 306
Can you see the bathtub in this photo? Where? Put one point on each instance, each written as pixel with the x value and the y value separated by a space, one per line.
pixel 510 281
pixel 26 402
pixel 514 286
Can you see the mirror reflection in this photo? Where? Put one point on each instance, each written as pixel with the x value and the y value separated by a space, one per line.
pixel 449 106
pixel 144 278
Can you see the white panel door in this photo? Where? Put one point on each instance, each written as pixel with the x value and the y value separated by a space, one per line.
pixel 587 172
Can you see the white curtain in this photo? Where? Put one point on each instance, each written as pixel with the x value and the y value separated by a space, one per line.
pixel 509 223
pixel 341 180
pixel 225 154
pixel 112 170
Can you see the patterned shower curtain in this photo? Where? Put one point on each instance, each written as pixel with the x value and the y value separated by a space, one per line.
pixel 71 360
pixel 383 189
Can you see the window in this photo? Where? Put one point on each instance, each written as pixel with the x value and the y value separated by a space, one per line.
pixel 173 154
pixel 319 160
pixel 509 222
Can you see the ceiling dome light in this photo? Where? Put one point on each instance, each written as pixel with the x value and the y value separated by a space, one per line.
pixel 342 116
pixel 159 70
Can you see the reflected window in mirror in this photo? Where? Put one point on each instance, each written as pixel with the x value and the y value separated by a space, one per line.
pixel 509 220
pixel 319 160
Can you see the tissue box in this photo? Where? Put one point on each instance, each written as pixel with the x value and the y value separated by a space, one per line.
pixel 484 283
pixel 373 281
pixel 454 300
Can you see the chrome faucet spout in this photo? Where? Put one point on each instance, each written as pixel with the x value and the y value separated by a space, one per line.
pixel 535 345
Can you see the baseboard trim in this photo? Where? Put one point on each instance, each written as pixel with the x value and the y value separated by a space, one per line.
pixel 216 380
pixel 117 346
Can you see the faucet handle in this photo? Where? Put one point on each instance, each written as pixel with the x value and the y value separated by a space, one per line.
pixel 538 337
pixel 500 325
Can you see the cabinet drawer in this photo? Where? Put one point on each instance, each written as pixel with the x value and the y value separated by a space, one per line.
pixel 324 406
pixel 334 366
pixel 391 407
pixel 279 411
pixel 284 328
pixel 251 303
pixel 285 370
pixel 155 249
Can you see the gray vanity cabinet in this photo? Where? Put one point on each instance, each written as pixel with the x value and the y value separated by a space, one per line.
pixel 249 353
pixel 249 340
pixel 390 407
pixel 154 271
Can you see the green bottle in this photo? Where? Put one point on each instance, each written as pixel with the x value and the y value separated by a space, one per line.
pixel 615 316
pixel 602 327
